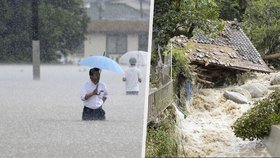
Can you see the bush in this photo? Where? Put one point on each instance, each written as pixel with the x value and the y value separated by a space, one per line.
pixel 256 122
pixel 161 140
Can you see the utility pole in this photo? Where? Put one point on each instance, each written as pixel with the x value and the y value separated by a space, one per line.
pixel 35 41
pixel 141 8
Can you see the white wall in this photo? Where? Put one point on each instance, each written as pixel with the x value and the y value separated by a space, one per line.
pixel 132 42
pixel 95 44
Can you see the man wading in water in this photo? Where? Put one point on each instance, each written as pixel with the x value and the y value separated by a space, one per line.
pixel 132 78
pixel 94 94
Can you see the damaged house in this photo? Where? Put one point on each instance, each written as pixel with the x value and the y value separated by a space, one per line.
pixel 224 57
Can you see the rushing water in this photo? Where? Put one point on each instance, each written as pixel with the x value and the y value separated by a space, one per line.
pixel 207 128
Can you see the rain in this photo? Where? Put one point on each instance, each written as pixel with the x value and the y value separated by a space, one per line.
pixel 41 78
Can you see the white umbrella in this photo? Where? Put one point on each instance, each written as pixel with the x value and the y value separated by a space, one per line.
pixel 140 56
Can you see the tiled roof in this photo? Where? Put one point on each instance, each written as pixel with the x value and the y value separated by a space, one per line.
pixel 232 48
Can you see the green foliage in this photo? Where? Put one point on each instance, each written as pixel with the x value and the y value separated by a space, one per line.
pixel 15 32
pixel 180 63
pixel 256 122
pixel 181 69
pixel 154 58
pixel 182 17
pixel 231 9
pixel 262 24
pixel 62 26
pixel 161 138
pixel 275 118
pixel 163 144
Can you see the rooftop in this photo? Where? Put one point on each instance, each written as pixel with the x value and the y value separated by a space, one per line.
pixel 231 49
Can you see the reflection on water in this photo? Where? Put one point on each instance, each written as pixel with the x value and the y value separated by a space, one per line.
pixel 207 130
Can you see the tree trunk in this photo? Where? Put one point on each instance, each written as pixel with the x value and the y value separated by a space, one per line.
pixel 271 56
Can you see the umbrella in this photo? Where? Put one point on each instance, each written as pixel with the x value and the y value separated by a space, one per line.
pixel 103 63
pixel 140 56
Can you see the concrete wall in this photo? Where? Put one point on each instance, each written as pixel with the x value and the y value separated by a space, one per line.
pixel 272 142
pixel 95 44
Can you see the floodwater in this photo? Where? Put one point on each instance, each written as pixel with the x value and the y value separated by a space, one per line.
pixel 43 118
pixel 207 129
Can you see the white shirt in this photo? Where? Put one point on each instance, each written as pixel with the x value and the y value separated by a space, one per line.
pixel 95 101
pixel 132 75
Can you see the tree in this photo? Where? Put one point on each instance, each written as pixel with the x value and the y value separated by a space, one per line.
pixel 15 32
pixel 228 9
pixel 243 5
pixel 62 27
pixel 262 24
pixel 231 9
pixel 182 17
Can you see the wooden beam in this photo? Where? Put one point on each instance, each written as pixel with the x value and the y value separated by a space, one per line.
pixel 205 82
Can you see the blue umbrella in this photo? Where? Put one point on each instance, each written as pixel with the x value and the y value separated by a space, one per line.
pixel 103 63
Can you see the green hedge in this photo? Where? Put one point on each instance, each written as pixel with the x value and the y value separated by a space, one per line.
pixel 256 123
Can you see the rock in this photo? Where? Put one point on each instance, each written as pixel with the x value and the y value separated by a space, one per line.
pixel 261 87
pixel 256 90
pixel 276 79
pixel 236 97
pixel 242 91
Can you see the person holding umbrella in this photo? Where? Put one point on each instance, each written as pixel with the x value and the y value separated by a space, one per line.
pixel 132 78
pixel 93 94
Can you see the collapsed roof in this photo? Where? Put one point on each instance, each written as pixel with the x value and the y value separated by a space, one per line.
pixel 222 59
pixel 230 49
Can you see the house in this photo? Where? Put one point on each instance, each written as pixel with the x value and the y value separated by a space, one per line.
pixel 116 27
pixel 224 57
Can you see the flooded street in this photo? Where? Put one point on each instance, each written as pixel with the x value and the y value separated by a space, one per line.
pixel 207 129
pixel 43 118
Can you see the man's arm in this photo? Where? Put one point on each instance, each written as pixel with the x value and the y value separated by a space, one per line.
pixel 91 94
